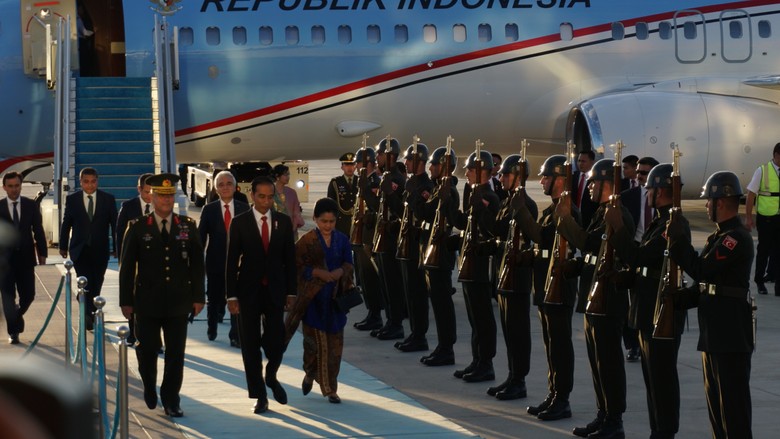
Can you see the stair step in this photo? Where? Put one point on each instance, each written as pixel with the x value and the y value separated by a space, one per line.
pixel 114 125
pixel 117 181
pixel 113 113
pixel 114 136
pixel 108 103
pixel 142 158
pixel 109 81
pixel 112 92
pixel 115 147
pixel 117 169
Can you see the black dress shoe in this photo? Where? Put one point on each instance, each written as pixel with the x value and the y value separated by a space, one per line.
pixel 131 340
pixel 399 343
pixel 150 396
pixel 536 409
pixel 415 345
pixel 633 355
pixel 368 324
pixel 512 391
pixel 261 406
pixel 13 339
pixel 495 389
pixel 377 331
pixel 306 385
pixel 211 332
pixel 334 399
pixel 482 372
pixel 441 358
pixel 235 343
pixel 761 288
pixel 434 352
pixel 468 369
pixel 592 427
pixel 174 411
pixel 279 394
pixel 394 332
pixel 559 409
pixel 610 429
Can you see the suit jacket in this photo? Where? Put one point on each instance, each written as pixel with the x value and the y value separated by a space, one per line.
pixel 248 263
pixel 96 232
pixel 161 279
pixel 587 207
pixel 31 235
pixel 212 228
pixel 130 210
pixel 632 199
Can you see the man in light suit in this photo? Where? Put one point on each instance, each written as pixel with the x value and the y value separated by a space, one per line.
pixel 91 215
pixel 215 221
pixel 25 216
pixel 260 273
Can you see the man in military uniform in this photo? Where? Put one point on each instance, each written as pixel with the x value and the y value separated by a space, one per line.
pixel 161 278
pixel 343 189
pixel 764 191
pixel 554 314
pixel 721 292
pixel 659 356
pixel 603 333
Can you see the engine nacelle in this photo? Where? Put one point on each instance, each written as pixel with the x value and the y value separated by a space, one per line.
pixel 714 132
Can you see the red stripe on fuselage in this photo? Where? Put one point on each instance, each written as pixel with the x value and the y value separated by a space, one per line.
pixel 7 163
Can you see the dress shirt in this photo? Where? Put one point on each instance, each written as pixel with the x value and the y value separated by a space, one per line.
pixel 86 201
pixel 158 219
pixel 259 221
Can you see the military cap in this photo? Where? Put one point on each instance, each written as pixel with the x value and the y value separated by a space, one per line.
pixel 347 158
pixel 163 184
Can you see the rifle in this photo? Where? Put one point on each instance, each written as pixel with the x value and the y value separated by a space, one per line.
pixel 514 239
pixel 663 320
pixel 380 234
pixel 471 234
pixel 358 219
pixel 553 286
pixel 404 237
pixel 439 233
pixel 597 299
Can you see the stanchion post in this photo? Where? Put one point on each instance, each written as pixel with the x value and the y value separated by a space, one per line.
pixel 100 354
pixel 123 331
pixel 68 298
pixel 82 294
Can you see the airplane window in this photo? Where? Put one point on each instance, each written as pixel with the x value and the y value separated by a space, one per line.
pixel 689 29
pixel 429 33
pixel 764 29
pixel 212 36
pixel 567 31
pixel 618 31
pixel 642 30
pixel 266 35
pixel 665 30
pixel 345 34
pixel 372 34
pixel 401 33
pixel 459 33
pixel 185 36
pixel 317 35
pixel 239 35
pixel 735 29
pixel 510 30
pixel 291 35
pixel 485 33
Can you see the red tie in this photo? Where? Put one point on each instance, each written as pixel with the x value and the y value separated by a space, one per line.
pixel 580 189
pixel 648 214
pixel 264 236
pixel 227 217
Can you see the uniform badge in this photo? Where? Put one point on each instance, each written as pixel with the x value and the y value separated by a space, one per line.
pixel 147 237
pixel 729 242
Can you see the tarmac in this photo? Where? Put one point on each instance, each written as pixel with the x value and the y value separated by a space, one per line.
pixel 387 393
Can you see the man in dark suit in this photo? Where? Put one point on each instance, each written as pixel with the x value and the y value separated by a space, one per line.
pixel 130 210
pixel 25 216
pixel 215 221
pixel 161 281
pixel 91 215
pixel 579 186
pixel 260 273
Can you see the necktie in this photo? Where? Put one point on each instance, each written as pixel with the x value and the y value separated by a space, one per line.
pixel 648 214
pixel 580 189
pixel 264 233
pixel 633 183
pixel 227 217
pixel 164 233
pixel 146 209
pixel 90 207
pixel 16 214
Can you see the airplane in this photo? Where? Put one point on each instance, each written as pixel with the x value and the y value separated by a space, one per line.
pixel 304 79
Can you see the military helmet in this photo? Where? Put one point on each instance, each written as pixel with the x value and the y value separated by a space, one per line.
pixel 553 166
pixel 422 152
pixel 437 158
pixel 722 184
pixel 511 165
pixel 485 156
pixel 395 147
pixel 660 176
pixel 602 170
pixel 370 155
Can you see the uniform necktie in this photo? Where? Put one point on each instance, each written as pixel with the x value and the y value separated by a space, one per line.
pixel 164 233
pixel 648 214
pixel 227 217
pixel 580 189
pixel 264 236
pixel 16 214
pixel 90 207
pixel 146 209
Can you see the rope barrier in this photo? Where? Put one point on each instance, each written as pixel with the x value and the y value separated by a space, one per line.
pixel 48 319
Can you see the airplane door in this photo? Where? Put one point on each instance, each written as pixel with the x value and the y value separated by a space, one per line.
pixel 736 36
pixel 690 37
pixel 35 16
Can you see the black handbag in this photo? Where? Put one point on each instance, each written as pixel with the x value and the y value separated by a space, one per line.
pixel 346 300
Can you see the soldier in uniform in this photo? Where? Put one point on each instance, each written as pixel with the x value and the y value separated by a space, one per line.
pixel 479 226
pixel 161 278
pixel 555 318
pixel 721 292
pixel 603 333
pixel 417 191
pixel 438 212
pixel 365 266
pixel 343 189
pixel 659 356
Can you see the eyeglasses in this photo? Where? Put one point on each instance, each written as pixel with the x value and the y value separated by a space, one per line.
pixel 643 172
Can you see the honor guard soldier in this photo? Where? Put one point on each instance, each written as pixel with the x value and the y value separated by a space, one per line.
pixel 721 273
pixel 438 260
pixel 362 239
pixel 161 280
pixel 514 295
pixel 556 307
pixel 603 331
pixel 343 189
pixel 478 225
pixel 417 191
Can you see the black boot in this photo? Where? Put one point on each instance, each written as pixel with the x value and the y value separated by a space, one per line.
pixel 515 390
pixel 483 371
pixel 558 409
pixel 440 357
pixel 468 369
pixel 593 426
pixel 495 389
pixel 536 409
pixel 611 428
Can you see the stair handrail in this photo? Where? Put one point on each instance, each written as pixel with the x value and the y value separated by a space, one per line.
pixel 164 66
pixel 61 85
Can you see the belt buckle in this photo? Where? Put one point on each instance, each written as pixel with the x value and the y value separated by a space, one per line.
pixel 643 271
pixel 707 288
pixel 545 254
